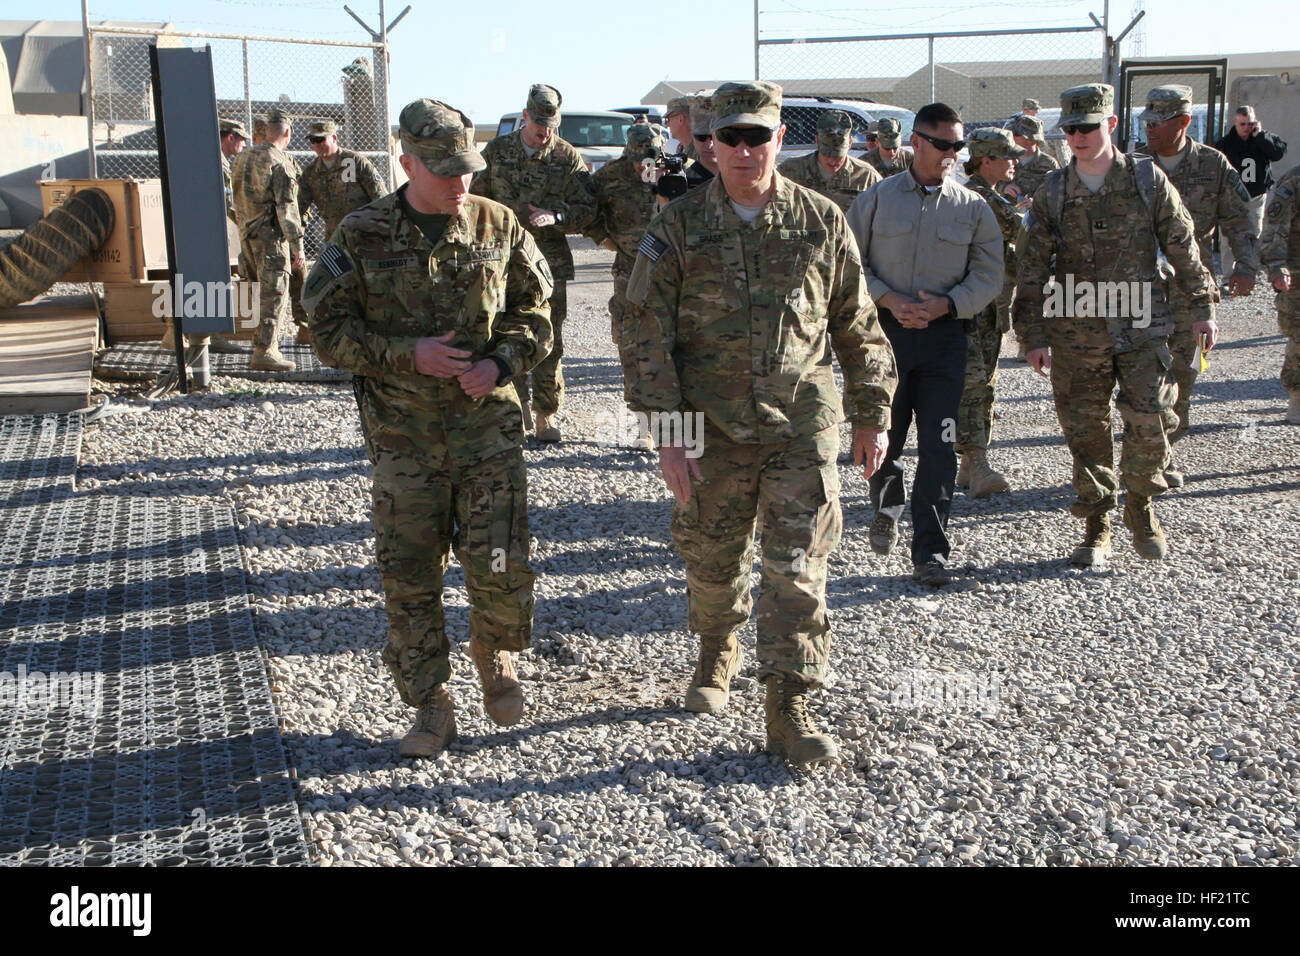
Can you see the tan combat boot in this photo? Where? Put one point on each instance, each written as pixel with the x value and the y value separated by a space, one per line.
pixel 434 729
pixel 984 481
pixel 503 697
pixel 790 731
pixel 1293 408
pixel 963 470
pixel 1148 536
pixel 546 427
pixel 269 360
pixel 221 345
pixel 719 660
pixel 1095 549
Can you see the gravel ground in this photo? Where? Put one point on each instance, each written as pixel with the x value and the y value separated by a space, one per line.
pixel 1141 714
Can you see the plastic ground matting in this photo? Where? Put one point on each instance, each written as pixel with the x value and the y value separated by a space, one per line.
pixel 147 358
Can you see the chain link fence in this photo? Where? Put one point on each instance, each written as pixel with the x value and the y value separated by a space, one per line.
pixel 306 79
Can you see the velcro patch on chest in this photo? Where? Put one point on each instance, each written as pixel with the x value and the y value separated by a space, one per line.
pixel 652 247
pixel 492 253
pixel 394 262
pixel 704 239
pixel 815 236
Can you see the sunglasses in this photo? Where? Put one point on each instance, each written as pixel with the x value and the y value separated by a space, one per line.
pixel 702 137
pixel 751 136
pixel 316 139
pixel 1084 128
pixel 942 145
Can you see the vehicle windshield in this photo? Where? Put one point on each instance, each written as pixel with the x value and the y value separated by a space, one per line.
pixel 580 130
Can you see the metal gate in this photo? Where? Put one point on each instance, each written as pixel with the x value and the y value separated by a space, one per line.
pixel 1207 78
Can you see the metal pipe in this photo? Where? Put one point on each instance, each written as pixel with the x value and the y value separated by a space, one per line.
pixel 248 98
pixel 932 99
pixel 136 31
pixel 90 90
pixel 925 36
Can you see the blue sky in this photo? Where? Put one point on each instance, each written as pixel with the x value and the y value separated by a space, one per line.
pixel 481 56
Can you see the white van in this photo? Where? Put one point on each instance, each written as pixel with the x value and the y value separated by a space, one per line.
pixel 599 135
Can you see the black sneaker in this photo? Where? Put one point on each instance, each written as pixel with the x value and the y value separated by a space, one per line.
pixel 883 534
pixel 933 573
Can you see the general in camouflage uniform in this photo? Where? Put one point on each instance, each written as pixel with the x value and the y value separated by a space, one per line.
pixel 338 180
pixel 545 182
pixel 731 321
pixel 1032 167
pixel 437 299
pixel 890 133
pixel 829 169
pixel 625 204
pixel 1214 195
pixel 266 206
pixel 1113 235
pixel 993 154
pixel 1280 252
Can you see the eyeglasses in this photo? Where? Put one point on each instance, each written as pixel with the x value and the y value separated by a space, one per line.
pixel 316 139
pixel 1084 128
pixel 1152 124
pixel 702 137
pixel 942 145
pixel 751 136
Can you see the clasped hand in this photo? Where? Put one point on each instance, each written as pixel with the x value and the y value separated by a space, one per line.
pixel 433 356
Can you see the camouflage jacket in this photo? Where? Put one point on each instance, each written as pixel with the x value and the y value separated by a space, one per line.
pixel 1009 219
pixel 1030 170
pixel 264 180
pixel 230 194
pixel 379 286
pixel 883 166
pixel 344 182
pixel 1280 242
pixel 555 178
pixel 1214 194
pixel 1109 241
pixel 841 187
pixel 737 320
pixel 624 207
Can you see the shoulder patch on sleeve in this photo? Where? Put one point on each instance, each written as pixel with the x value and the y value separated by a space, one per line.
pixel 1274 209
pixel 1284 192
pixel 652 247
pixel 334 261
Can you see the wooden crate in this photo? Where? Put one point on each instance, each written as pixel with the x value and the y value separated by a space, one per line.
pixel 47 348
pixel 138 241
pixel 129 311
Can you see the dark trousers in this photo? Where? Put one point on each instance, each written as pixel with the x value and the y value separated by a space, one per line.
pixel 931 376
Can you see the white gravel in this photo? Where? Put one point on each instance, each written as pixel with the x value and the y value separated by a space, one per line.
pixel 1142 714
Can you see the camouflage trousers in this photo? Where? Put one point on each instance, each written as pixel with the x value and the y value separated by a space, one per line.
pixel 617 309
pixel 1082 384
pixel 296 279
pixel 794 487
pixel 422 509
pixel 548 378
pixel 975 414
pixel 1183 348
pixel 267 264
pixel 1288 321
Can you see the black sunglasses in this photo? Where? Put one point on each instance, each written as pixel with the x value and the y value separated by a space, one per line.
pixel 1084 128
pixel 942 145
pixel 751 136
pixel 315 139
pixel 702 137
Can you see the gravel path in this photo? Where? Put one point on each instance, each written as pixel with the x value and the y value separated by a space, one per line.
pixel 1146 713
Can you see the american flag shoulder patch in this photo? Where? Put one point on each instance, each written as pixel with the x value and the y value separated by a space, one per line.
pixel 652 247
pixel 334 261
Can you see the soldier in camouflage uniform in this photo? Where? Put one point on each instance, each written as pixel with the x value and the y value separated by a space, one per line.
pixel 1036 163
pixel 739 292
pixel 338 180
pixel 829 169
pixel 1280 253
pixel 1214 195
pixel 993 158
pixel 437 299
pixel 233 139
pixel 891 156
pixel 544 180
pixel 1106 218
pixel 678 118
pixel 270 232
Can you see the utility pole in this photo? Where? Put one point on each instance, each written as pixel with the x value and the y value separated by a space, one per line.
pixel 380 37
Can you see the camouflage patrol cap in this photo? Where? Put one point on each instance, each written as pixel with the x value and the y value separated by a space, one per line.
pixel 1164 102
pixel 441 137
pixel 754 103
pixel 890 132
pixel 1029 103
pixel 1030 127
pixel 279 116
pixel 701 114
pixel 1090 103
pixel 232 126
pixel 544 105
pixel 988 141
pixel 834 133
pixel 678 104
pixel 323 128
pixel 643 141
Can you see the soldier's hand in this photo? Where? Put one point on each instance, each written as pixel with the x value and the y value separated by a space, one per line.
pixel 480 378
pixel 1282 283
pixel 433 356
pixel 538 218
pixel 1241 284
pixel 869 448
pixel 679 471
pixel 611 245
pixel 1206 332
pixel 1040 360
pixel 299 262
